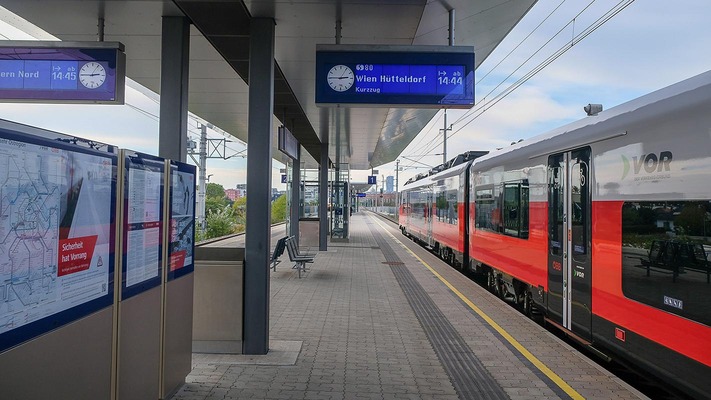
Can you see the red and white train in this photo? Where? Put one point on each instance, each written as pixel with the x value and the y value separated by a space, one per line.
pixel 603 224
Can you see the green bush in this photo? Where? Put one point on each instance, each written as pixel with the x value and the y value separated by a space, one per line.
pixel 220 222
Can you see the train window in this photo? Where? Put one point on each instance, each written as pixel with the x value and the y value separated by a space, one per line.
pixel 579 215
pixel 485 210
pixel 556 203
pixel 666 254
pixel 515 210
pixel 503 209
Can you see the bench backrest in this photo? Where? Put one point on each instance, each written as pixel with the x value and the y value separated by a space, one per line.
pixel 279 248
pixel 290 248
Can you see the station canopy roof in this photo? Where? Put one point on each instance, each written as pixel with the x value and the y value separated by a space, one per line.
pixel 219 57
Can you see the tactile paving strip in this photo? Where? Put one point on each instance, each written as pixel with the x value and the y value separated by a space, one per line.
pixel 468 375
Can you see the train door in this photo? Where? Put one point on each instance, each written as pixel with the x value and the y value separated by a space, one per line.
pixel 569 241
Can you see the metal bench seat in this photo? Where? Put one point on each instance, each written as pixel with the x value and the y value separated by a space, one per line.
pixel 278 251
pixel 299 260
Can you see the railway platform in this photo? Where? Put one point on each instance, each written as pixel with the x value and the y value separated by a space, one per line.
pixel 379 317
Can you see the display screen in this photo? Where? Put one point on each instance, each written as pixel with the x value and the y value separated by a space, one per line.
pixel 395 78
pixel 58 74
pixel 182 220
pixel 56 234
pixel 142 221
pixel 409 79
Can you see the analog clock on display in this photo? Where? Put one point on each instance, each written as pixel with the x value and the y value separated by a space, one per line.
pixel 92 75
pixel 340 78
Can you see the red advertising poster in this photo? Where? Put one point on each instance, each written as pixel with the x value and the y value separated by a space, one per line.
pixel 75 254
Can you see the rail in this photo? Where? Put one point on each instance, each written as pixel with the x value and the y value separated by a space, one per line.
pixel 390 217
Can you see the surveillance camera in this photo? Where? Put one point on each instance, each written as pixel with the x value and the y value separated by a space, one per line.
pixel 593 109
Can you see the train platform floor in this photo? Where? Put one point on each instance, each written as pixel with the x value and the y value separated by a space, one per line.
pixel 379 317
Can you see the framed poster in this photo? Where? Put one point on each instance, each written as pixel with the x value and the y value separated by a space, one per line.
pixel 57 238
pixel 142 233
pixel 181 246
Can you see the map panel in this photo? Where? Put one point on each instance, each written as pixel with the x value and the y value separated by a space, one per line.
pixel 53 257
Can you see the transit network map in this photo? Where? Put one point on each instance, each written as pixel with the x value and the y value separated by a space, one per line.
pixel 55 230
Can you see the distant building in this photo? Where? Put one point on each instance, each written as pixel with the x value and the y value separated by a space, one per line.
pixel 231 194
pixel 241 189
pixel 389 184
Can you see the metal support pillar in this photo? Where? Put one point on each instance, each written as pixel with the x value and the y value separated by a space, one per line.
pixel 323 199
pixel 175 54
pixel 255 332
pixel 295 196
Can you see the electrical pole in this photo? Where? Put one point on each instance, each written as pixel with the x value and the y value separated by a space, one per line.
pixel 444 153
pixel 397 184
pixel 452 19
pixel 444 131
pixel 202 166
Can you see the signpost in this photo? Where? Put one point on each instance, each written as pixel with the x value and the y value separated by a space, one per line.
pixel 62 72
pixel 406 76
pixel 372 180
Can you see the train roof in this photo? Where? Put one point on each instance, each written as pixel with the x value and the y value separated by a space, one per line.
pixel 456 170
pixel 607 124
pixel 451 167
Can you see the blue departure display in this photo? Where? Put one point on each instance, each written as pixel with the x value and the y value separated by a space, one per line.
pixel 409 79
pixel 47 75
pixel 54 72
pixel 410 76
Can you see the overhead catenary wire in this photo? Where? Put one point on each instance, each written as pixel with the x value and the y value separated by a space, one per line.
pixel 529 58
pixel 513 50
pixel 486 105
pixel 582 35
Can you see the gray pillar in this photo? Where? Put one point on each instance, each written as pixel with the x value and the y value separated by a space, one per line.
pixel 259 183
pixel 175 55
pixel 323 199
pixel 295 197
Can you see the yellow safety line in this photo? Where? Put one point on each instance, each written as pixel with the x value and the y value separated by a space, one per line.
pixel 535 361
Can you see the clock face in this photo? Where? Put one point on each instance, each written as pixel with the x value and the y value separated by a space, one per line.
pixel 92 75
pixel 340 78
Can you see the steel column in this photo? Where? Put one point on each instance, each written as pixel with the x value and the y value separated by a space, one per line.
pixel 259 183
pixel 175 55
pixel 295 211
pixel 323 199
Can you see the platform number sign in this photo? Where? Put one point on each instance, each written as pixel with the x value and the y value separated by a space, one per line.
pixel 372 180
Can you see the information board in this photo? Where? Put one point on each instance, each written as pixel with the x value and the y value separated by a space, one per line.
pixel 59 72
pixel 142 222
pixel 182 219
pixel 411 76
pixel 288 143
pixel 56 234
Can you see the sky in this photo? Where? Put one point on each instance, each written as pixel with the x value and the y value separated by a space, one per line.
pixel 649 45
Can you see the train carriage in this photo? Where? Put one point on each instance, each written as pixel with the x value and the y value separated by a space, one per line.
pixel 605 226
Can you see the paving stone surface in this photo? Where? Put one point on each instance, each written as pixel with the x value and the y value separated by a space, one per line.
pixel 360 338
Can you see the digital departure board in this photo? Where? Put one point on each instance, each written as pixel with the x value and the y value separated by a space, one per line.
pixel 410 76
pixel 62 72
